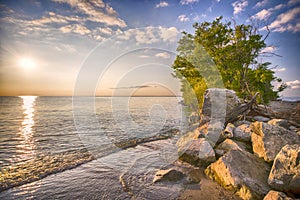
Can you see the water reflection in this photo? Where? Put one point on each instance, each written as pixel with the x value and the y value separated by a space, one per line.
pixel 27 147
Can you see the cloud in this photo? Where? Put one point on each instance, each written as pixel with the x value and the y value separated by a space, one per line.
pixel 105 30
pixel 163 55
pixel 162 4
pixel 279 69
pixel 169 34
pixel 239 6
pixel 293 84
pixel 269 49
pixel 186 2
pixel 96 11
pixel 133 87
pixel 151 35
pixel 265 13
pixel 293 2
pixel 261 3
pixel 183 18
pixel 284 22
pixel 75 28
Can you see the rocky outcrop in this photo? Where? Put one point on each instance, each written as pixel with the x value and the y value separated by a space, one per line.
pixel 285 172
pixel 275 195
pixel 198 152
pixel 242 133
pixel 218 102
pixel 242 172
pixel 267 140
pixel 168 175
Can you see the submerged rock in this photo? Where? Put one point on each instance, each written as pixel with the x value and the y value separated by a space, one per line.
pixel 198 152
pixel 275 195
pixel 242 172
pixel 242 133
pixel 267 140
pixel 285 172
pixel 168 175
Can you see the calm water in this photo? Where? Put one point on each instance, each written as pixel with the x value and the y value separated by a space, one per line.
pixel 41 136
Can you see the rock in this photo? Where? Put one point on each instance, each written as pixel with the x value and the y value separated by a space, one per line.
pixel 168 175
pixel 228 131
pixel 275 195
pixel 228 145
pixel 261 119
pixel 242 133
pixel 194 118
pixel 218 102
pixel 267 140
pixel 212 131
pixel 197 152
pixel 285 172
pixel 187 137
pixel 242 172
pixel 280 122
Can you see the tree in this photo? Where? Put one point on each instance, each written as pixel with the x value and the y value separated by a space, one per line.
pixel 225 50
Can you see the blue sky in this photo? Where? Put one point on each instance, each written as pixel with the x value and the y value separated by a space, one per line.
pixel 124 46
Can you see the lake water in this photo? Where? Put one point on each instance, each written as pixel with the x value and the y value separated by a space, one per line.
pixel 41 137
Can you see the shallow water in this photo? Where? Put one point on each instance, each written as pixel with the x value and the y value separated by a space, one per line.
pixel 38 134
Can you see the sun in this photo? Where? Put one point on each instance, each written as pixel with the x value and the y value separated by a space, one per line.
pixel 27 63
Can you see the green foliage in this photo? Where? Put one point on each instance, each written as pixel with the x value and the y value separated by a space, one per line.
pixel 223 55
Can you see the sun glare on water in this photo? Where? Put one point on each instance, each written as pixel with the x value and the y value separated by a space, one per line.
pixel 27 63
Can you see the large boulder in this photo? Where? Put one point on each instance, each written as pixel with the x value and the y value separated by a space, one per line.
pixel 285 172
pixel 242 133
pixel 267 140
pixel 275 195
pixel 241 172
pixel 197 152
pixel 218 102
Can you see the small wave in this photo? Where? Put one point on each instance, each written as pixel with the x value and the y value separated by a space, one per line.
pixel 40 167
pixel 162 135
pixel 44 165
pixel 289 99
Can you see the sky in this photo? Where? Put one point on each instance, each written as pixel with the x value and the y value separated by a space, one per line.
pixel 126 47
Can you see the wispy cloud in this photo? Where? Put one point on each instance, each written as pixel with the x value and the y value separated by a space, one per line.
pixel 97 11
pixel 133 87
pixel 162 4
pixel 286 21
pixel 293 2
pixel 279 69
pixel 186 2
pixel 269 49
pixel 183 18
pixel 261 3
pixel 163 55
pixel 151 35
pixel 75 28
pixel 293 84
pixel 265 13
pixel 239 6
